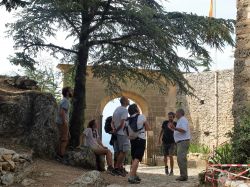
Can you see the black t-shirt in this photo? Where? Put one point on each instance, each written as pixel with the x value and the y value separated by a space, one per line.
pixel 168 134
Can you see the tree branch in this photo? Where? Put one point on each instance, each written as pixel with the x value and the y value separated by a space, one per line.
pixel 71 23
pixel 106 8
pixel 50 46
pixel 99 42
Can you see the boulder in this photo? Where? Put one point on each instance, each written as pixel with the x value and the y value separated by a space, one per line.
pixel 28 182
pixel 11 169
pixel 83 157
pixel 92 178
pixel 100 162
pixel 29 117
pixel 21 82
pixel 7 179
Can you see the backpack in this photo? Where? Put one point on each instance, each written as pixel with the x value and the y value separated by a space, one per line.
pixel 131 128
pixel 107 126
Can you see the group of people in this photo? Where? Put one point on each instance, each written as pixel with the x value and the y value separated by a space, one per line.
pixel 175 134
pixel 129 133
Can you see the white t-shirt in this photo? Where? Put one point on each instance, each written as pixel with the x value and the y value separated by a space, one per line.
pixel 91 137
pixel 120 113
pixel 183 124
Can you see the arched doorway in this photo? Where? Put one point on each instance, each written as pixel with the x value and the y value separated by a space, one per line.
pixel 109 104
pixel 108 111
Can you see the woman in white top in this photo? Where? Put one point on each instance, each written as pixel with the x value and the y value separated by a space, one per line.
pixel 92 140
pixel 138 144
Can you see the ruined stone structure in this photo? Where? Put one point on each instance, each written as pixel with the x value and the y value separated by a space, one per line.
pixel 209 121
pixel 242 59
pixel 210 110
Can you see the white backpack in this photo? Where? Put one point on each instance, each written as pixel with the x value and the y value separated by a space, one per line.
pixel 131 128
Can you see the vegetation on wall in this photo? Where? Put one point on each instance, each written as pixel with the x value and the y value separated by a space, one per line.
pixel 199 148
pixel 240 139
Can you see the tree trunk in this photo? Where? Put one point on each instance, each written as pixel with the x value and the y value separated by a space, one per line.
pixel 242 62
pixel 79 97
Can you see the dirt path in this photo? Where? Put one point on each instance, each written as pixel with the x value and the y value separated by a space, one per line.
pixel 154 176
pixel 53 174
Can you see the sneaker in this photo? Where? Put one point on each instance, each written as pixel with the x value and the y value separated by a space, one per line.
pixel 111 171
pixel 58 158
pixel 171 173
pixel 181 178
pixel 138 178
pixel 119 172
pixel 166 170
pixel 132 180
pixel 125 171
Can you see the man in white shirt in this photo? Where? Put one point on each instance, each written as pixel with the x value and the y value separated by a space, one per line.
pixel 121 144
pixel 182 138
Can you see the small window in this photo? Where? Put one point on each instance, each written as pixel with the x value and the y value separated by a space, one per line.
pixel 206 133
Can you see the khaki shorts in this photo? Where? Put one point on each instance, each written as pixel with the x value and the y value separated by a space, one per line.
pixel 64 132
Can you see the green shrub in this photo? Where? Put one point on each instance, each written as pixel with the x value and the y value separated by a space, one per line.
pixel 199 148
pixel 222 155
pixel 240 139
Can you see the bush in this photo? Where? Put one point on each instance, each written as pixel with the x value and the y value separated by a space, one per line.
pixel 199 148
pixel 222 155
pixel 240 139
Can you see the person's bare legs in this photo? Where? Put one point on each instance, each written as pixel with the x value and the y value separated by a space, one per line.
pixel 134 167
pixel 115 157
pixel 64 131
pixel 166 160
pixel 63 145
pixel 105 152
pixel 166 164
pixel 171 158
pixel 120 159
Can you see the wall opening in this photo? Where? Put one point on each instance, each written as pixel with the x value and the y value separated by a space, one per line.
pixel 108 111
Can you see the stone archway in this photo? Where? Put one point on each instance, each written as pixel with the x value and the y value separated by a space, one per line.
pixel 143 104
pixel 153 104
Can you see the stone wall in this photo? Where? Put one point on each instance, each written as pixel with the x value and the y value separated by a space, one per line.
pixel 210 110
pixel 209 121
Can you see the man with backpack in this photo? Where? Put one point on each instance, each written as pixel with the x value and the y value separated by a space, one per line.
pixel 121 144
pixel 109 128
pixel 136 127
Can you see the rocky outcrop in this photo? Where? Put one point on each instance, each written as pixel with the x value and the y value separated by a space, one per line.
pixel 83 157
pixel 14 167
pixel 29 118
pixel 21 82
pixel 92 178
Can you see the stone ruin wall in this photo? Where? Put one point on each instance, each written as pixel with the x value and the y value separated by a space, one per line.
pixel 210 112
